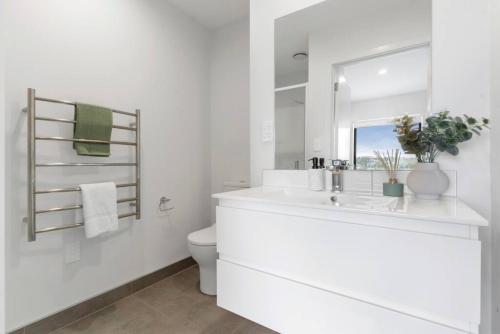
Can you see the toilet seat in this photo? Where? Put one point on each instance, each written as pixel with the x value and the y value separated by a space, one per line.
pixel 205 237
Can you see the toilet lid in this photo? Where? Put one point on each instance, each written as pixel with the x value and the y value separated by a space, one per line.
pixel 205 237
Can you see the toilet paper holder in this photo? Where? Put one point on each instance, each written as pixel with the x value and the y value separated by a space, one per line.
pixel 162 206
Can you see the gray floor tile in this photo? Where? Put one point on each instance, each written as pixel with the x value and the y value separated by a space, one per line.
pixel 174 305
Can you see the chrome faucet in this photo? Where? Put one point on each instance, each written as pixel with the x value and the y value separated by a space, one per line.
pixel 337 179
pixel 337 168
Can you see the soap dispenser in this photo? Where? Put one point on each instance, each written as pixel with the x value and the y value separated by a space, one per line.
pixel 316 176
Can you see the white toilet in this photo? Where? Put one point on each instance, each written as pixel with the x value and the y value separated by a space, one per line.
pixel 202 245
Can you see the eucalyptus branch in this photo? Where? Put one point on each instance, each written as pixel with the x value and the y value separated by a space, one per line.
pixel 442 133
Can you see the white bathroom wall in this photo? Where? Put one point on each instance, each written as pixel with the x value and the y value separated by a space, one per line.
pixel 460 55
pixel 125 54
pixel 495 160
pixel 2 167
pixel 461 84
pixel 229 114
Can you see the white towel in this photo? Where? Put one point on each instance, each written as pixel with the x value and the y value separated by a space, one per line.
pixel 99 208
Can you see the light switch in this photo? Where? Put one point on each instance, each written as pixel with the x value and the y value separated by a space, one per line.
pixel 267 131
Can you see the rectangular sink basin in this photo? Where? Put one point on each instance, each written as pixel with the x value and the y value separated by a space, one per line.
pixel 346 200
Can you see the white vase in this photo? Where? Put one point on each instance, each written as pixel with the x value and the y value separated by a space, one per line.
pixel 428 181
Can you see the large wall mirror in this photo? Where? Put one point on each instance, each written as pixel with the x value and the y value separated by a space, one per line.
pixel 344 70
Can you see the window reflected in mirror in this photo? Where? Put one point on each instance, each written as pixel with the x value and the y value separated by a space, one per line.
pixel 371 138
pixel 369 95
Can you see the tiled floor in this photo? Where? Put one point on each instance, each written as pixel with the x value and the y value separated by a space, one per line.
pixel 173 305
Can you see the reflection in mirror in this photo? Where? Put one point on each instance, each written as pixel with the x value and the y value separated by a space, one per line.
pixel 289 127
pixel 291 75
pixel 378 54
pixel 369 95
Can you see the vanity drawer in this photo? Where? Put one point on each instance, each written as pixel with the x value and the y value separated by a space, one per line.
pixel 423 275
pixel 290 307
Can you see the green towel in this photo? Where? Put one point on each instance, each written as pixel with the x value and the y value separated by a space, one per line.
pixel 94 123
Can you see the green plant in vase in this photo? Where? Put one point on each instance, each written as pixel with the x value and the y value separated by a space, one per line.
pixel 441 133
pixel 390 161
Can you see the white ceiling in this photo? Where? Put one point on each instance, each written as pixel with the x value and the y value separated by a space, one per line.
pixel 406 72
pixel 213 13
pixel 292 31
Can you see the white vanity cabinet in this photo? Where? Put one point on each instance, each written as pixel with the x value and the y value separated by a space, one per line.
pixel 298 264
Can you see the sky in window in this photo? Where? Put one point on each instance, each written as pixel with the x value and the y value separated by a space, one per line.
pixel 371 138
pixel 382 138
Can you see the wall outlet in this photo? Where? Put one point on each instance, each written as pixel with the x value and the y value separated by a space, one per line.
pixel 72 252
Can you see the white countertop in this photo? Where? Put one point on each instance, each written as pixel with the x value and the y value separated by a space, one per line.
pixel 446 209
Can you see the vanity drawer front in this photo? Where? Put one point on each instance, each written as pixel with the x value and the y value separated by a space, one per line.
pixel 429 276
pixel 289 307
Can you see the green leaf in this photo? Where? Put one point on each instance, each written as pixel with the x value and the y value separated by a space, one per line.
pixel 471 121
pixel 453 150
pixel 443 124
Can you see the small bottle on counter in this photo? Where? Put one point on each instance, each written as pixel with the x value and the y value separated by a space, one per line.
pixel 316 175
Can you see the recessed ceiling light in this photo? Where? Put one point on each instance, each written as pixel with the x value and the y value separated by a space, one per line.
pixel 342 79
pixel 382 71
pixel 301 56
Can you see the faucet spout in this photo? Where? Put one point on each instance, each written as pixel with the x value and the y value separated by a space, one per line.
pixel 337 181
pixel 337 168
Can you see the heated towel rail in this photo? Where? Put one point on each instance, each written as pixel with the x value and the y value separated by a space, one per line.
pixel 33 191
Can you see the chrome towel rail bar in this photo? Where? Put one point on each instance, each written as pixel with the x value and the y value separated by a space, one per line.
pixel 44 99
pixel 75 207
pixel 63 120
pixel 33 165
pixel 65 227
pixel 68 190
pixel 87 164
pixel 90 141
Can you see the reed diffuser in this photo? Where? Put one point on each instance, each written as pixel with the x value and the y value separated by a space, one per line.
pixel 390 161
